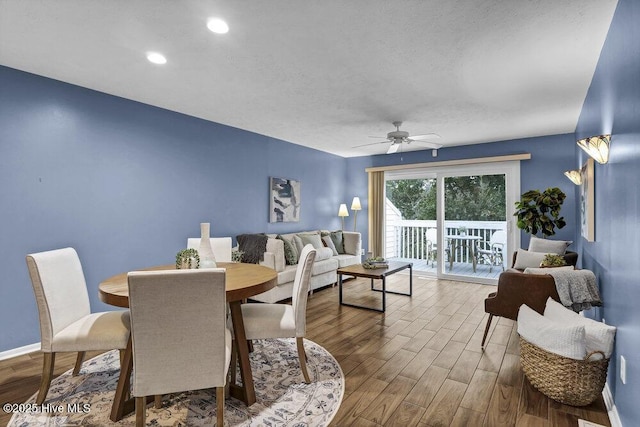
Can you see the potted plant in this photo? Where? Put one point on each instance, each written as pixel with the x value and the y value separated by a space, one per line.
pixel 187 258
pixel 540 211
pixel 553 260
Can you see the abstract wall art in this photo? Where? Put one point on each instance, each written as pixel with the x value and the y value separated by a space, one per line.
pixel 284 200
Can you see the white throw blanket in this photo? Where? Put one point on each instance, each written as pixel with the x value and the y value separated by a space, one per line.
pixel 577 288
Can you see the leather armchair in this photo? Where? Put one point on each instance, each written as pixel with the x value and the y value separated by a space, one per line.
pixel 516 288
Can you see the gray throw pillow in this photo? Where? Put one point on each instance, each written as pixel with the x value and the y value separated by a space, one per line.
pixel 329 243
pixel 290 251
pixel 526 259
pixel 311 238
pixel 338 241
pixel 548 246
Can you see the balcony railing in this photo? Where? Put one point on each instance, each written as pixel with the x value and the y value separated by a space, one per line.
pixel 412 238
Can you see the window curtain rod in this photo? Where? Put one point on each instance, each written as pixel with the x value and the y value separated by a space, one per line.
pixel 477 160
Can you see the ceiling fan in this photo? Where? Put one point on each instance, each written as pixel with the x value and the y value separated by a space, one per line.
pixel 397 137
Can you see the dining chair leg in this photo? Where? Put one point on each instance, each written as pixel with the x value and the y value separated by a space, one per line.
pixel 303 359
pixel 79 360
pixel 220 406
pixel 486 330
pixel 47 374
pixel 157 401
pixel 141 409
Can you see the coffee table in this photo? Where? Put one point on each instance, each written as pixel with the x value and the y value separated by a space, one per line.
pixel 358 270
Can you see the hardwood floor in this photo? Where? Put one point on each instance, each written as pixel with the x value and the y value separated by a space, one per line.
pixel 419 364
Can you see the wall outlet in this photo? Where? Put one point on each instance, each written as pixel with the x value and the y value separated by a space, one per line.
pixel 623 370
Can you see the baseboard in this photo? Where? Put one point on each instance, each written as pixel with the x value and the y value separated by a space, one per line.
pixel 611 407
pixel 19 351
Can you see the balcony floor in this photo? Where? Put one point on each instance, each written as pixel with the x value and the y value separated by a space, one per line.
pixel 459 268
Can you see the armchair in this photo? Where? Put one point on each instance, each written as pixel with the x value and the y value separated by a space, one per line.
pixel 516 288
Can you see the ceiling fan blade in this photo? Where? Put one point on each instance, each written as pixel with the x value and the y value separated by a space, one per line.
pixel 393 148
pixel 433 145
pixel 425 136
pixel 378 137
pixel 371 143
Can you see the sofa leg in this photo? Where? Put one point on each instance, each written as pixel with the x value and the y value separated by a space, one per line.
pixel 486 330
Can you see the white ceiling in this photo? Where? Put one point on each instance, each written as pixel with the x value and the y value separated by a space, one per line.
pixel 327 74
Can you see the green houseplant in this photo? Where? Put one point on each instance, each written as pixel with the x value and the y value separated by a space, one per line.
pixel 187 259
pixel 540 211
pixel 553 260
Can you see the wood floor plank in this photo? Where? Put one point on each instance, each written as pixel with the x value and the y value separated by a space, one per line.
pixel 503 408
pixel 418 366
pixel 467 418
pixel 427 386
pixel 465 367
pixel 449 355
pixel 491 359
pixel 383 406
pixel 356 403
pixel 394 365
pixel 445 404
pixel 405 415
pixel 479 391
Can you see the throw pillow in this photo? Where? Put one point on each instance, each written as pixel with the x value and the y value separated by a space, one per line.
pixel 298 243
pixel 548 246
pixel 526 259
pixel 253 246
pixel 545 270
pixel 311 238
pixel 555 337
pixel 329 243
pixel 599 337
pixel 290 251
pixel 338 241
pixel 323 253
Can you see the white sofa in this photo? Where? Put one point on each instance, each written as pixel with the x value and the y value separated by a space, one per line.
pixel 324 267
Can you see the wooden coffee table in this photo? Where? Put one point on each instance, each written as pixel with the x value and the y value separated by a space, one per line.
pixel 358 270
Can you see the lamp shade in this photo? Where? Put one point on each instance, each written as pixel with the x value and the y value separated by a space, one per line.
pixel 343 210
pixel 596 147
pixel 355 205
pixel 574 176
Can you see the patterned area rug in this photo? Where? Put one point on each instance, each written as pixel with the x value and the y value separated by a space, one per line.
pixel 283 398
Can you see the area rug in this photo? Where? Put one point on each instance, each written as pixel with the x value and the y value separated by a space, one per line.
pixel 282 396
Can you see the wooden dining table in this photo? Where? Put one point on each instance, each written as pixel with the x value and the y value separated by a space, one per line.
pixel 242 281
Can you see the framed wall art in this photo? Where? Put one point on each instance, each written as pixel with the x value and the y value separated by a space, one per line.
pixel 587 201
pixel 284 200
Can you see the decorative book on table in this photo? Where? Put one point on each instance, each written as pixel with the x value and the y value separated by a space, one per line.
pixel 372 263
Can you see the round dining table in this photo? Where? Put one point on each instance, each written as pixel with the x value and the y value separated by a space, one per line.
pixel 242 281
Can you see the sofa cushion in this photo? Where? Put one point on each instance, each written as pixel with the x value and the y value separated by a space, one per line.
pixel 323 253
pixel 345 260
pixel 329 243
pixel 290 251
pixel 548 246
pixel 324 266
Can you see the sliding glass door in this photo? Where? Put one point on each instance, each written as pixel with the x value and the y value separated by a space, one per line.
pixel 453 222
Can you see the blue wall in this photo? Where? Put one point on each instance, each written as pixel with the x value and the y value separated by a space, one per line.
pixel 612 106
pixel 125 184
pixel 550 157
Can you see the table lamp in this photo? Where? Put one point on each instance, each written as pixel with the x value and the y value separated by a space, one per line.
pixel 342 212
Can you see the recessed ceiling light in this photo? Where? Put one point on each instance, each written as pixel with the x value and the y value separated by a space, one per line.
pixel 217 25
pixel 156 58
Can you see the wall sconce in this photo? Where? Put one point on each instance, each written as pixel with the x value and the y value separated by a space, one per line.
pixel 355 207
pixel 342 212
pixel 574 176
pixel 597 147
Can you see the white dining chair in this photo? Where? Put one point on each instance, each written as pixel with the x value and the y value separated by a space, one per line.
pixel 179 334
pixel 221 247
pixel 66 321
pixel 283 320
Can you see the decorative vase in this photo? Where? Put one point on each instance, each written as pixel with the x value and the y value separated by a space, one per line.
pixel 207 259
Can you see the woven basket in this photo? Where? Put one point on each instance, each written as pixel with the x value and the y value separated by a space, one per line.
pixel 569 381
